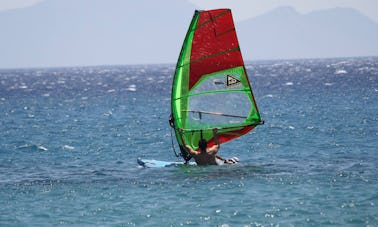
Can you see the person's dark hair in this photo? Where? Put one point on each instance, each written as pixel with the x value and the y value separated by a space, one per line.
pixel 202 144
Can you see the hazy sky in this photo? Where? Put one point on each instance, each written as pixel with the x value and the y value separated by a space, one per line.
pixel 88 45
pixel 14 4
pixel 245 9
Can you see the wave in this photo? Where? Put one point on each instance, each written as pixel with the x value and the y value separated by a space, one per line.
pixel 32 147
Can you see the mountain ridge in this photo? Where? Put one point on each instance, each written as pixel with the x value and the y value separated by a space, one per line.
pixel 92 32
pixel 338 32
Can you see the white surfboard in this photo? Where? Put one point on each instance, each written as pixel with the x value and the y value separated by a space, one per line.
pixel 151 163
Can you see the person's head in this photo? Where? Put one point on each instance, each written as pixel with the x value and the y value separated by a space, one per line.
pixel 202 144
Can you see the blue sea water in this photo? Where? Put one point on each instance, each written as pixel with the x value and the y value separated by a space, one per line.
pixel 70 138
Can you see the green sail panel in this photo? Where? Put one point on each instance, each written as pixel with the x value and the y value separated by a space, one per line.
pixel 211 88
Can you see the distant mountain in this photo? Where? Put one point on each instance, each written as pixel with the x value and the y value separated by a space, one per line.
pixel 101 32
pixel 284 33
pixel 93 32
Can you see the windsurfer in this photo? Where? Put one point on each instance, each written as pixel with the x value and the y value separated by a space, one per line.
pixel 208 156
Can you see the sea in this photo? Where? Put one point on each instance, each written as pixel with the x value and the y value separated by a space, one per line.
pixel 70 138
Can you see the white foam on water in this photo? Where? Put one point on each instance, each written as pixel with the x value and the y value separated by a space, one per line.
pixel 68 147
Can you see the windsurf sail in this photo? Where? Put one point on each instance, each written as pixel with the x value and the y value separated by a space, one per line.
pixel 210 87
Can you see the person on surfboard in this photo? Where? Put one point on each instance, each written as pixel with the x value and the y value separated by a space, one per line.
pixel 208 156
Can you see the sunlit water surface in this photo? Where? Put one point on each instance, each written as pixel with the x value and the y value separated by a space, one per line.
pixel 70 138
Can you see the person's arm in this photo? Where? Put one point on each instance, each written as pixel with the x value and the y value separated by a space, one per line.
pixel 188 148
pixel 214 149
pixel 191 151
pixel 215 130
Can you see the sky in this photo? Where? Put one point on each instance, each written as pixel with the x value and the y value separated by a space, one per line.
pixel 15 4
pixel 86 46
pixel 245 9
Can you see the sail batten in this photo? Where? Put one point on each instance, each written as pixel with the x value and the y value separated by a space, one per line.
pixel 211 88
pixel 212 92
pixel 210 56
pixel 215 55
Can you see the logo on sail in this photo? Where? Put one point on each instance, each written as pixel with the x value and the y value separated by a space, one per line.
pixel 233 82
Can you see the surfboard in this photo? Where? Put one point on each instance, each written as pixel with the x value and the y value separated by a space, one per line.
pixel 151 163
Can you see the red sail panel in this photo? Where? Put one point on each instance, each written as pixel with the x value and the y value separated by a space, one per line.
pixel 215 46
pixel 225 137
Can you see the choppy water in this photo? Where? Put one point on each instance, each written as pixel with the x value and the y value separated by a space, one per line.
pixel 70 138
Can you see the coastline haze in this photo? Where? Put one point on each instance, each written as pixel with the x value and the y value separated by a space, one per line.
pixel 69 33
